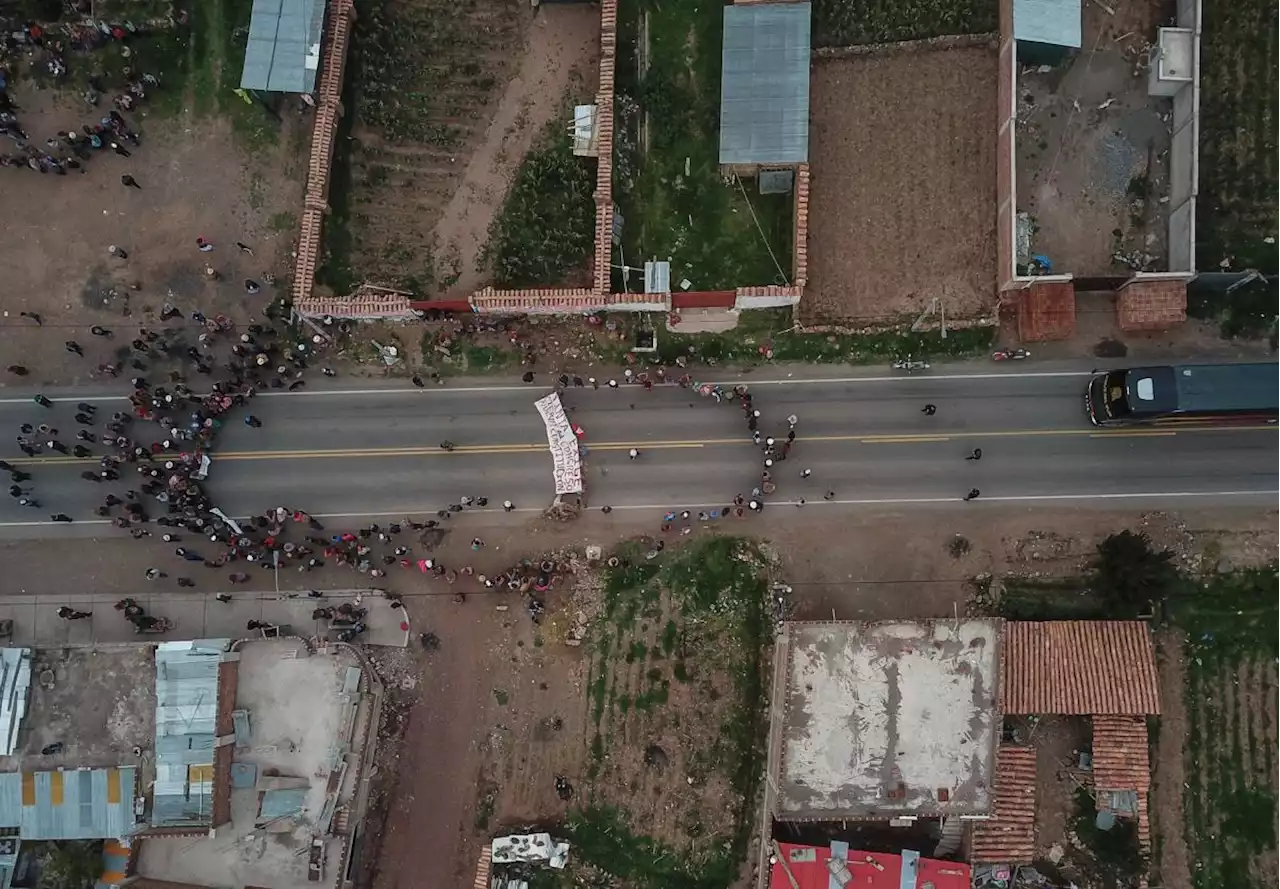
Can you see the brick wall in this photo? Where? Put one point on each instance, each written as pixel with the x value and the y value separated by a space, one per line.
pixel 1151 303
pixel 337 34
pixel 224 724
pixel 800 232
pixel 1047 310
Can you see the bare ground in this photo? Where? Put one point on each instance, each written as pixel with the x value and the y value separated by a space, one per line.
pixel 423 211
pixel 472 765
pixel 195 182
pixel 902 152
pixel 1092 149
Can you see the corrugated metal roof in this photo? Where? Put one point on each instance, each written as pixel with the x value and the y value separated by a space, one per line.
pixel 1055 22
pixel 15 686
pixel 282 803
pixel 283 53
pixel 1009 835
pixel 764 84
pixel 85 804
pixel 1078 668
pixel 186 715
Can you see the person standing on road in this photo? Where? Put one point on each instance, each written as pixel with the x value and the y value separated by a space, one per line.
pixel 42 401
pixel 929 410
pixel 976 455
pixel 129 182
pixel 60 517
pixel 73 347
pixel 973 494
pixel 253 422
pixel 633 453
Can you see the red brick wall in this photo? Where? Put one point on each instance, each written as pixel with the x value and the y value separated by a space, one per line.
pixel 333 60
pixel 1151 304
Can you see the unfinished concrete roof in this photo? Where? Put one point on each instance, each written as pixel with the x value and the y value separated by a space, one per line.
pixel 1078 668
pixel 764 84
pixel 888 719
pixel 97 703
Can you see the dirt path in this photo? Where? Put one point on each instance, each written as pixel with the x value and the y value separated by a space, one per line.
pixel 1171 861
pixel 563 39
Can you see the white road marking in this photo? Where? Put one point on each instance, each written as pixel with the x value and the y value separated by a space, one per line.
pixel 749 381
pixel 667 507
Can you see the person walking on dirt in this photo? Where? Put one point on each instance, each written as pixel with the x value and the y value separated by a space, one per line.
pixel 129 182
pixel 73 347
pixel 18 370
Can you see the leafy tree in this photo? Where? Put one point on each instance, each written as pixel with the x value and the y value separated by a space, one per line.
pixel 70 864
pixel 1130 576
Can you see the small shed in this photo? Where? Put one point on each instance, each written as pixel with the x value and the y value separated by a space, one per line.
pixel 764 85
pixel 1046 31
pixel 283 52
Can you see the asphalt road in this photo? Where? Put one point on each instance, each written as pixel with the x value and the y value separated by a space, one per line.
pixel 375 451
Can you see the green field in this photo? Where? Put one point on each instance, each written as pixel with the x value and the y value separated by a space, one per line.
pixel 850 22
pixel 1230 803
pixel 1240 65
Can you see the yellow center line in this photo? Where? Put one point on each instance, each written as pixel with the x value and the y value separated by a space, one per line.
pixel 541 448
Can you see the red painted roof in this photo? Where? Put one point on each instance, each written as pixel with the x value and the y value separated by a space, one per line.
pixel 870 870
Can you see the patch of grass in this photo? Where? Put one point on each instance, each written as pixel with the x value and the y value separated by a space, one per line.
pixel 284 221
pixel 547 225
pixel 601 837
pixel 501 697
pixel 850 22
pixel 484 807
pixel 1248 312
pixel 772 329
pixel 669 189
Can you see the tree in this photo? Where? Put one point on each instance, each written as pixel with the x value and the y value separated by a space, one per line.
pixel 70 864
pixel 1130 576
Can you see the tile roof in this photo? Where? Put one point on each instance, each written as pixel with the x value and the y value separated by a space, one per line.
pixel 1121 762
pixel 1080 668
pixel 1009 835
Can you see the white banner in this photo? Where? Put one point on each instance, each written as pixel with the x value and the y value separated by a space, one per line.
pixel 565 459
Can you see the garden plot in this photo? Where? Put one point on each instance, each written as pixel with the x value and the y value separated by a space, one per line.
pixel 850 22
pixel 1229 755
pixel 904 172
pixel 662 745
pixel 1238 101
pixel 1092 151
pixel 448 99
pixel 674 203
